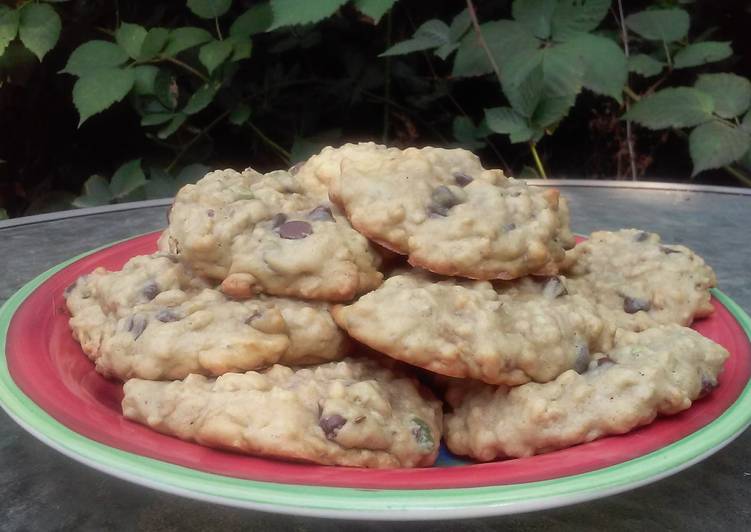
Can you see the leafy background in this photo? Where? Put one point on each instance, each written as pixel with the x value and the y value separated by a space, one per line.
pixel 104 101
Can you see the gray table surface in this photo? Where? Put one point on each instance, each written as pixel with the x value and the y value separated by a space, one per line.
pixel 44 490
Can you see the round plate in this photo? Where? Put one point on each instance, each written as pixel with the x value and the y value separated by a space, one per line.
pixel 51 389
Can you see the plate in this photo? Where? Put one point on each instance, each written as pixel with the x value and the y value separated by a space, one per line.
pixel 50 388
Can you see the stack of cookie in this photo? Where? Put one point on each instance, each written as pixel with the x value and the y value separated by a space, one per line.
pixel 239 332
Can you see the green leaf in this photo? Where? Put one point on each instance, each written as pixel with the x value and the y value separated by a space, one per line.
pixel 715 144
pixel 552 109
pixel 466 133
pixel 214 54
pixel 39 28
pixel 127 178
pixel 94 55
pixel 8 26
pixel 181 39
pixel 574 17
pixel 209 8
pixel 459 26
pixel 99 89
pixel 145 79
pixel 605 70
pixel 731 93
pixel 505 38
pixel 563 70
pixel 746 123
pixel 160 185
pixel 239 114
pixel 701 53
pixel 374 9
pixel 154 43
pixel 241 48
pixel 536 15
pixel 508 122
pixel 177 121
pixel 190 174
pixel 523 81
pixel 96 191
pixel 675 107
pixel 293 12
pixel 156 119
pixel 255 20
pixel 431 34
pixel 645 65
pixel 667 25
pixel 166 89
pixel 3 214
pixel 200 99
pixel 130 38
pixel 446 50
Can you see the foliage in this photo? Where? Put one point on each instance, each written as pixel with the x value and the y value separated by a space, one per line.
pixel 193 83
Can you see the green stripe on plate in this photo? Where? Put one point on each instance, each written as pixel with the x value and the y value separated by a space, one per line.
pixel 349 502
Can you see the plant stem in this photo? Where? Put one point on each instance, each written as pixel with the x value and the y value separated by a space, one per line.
pixel 218 30
pixel 185 67
pixel 387 87
pixel 280 151
pixel 536 157
pixel 631 94
pixel 629 138
pixel 195 139
pixel 481 38
pixel 740 176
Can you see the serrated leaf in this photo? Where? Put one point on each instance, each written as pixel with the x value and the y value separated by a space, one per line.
pixel 127 178
pixel 209 8
pixel 99 89
pixel 466 133
pixel 191 173
pixel 177 121
pixel 675 107
pixel 667 25
pixel 506 121
pixel 166 89
pixel 459 26
pixel 130 38
pixel 645 65
pixel 145 78
pixel 200 99
pixel 255 20
pixel 574 17
pixel 505 38
pixel 239 114
pixel 8 26
pixel 552 109
pixel 731 93
pixel 160 186
pixel 746 122
pixel 523 81
pixel 96 191
pixel 715 144
pixel 155 41
pixel 536 15
pixel 701 53
pixel 294 12
pixel 374 9
pixel 241 48
pixel 446 50
pixel 605 68
pixel 94 55
pixel 181 39
pixel 39 28
pixel 431 34
pixel 156 119
pixel 214 54
pixel 563 70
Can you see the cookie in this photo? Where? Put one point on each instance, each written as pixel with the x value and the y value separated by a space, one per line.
pixel 449 215
pixel 639 281
pixel 349 413
pixel 261 233
pixel 656 372
pixel 154 320
pixel 506 334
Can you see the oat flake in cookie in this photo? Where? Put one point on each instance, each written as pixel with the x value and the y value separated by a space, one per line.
pixel 349 413
pixel 639 281
pixel 449 215
pixel 262 233
pixel 656 372
pixel 509 334
pixel 153 320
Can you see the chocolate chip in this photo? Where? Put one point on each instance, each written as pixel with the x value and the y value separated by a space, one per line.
pixel 707 385
pixel 210 213
pixel 508 227
pixel 150 290
pixel 422 433
pixel 321 214
pixel 582 359
pixel 278 219
pixel 667 251
pixel 605 361
pixel 442 199
pixel 463 179
pixel 136 324
pixel 633 305
pixel 70 288
pixel 641 236
pixel 166 315
pixel 331 425
pixel 295 168
pixel 295 230
pixel 553 288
